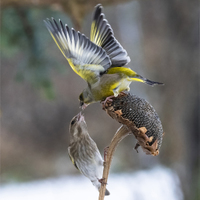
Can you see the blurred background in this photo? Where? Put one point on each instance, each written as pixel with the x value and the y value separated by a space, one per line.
pixel 39 91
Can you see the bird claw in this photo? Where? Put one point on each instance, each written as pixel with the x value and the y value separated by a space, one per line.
pixel 102 181
pixel 107 99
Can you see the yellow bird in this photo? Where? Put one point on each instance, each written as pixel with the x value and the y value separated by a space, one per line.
pixel 99 61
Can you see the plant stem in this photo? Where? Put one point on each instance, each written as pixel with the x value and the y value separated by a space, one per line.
pixel 121 133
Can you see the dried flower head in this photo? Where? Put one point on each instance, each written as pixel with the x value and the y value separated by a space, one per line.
pixel 141 119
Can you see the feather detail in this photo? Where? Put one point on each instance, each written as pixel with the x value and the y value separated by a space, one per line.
pixel 131 75
pixel 145 80
pixel 102 35
pixel 126 71
pixel 71 158
pixel 81 53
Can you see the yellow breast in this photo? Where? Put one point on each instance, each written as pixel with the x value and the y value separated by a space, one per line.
pixel 107 89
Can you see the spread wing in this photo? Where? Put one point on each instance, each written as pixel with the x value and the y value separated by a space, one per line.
pixel 102 35
pixel 86 58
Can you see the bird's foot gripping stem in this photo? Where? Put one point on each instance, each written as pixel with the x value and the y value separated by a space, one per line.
pixel 102 181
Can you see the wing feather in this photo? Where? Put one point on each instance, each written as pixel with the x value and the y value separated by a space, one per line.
pixel 71 158
pixel 87 59
pixel 102 35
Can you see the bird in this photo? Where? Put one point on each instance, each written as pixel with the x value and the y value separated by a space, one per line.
pixel 100 60
pixel 84 152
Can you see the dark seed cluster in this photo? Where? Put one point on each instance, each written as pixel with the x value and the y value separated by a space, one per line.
pixel 140 112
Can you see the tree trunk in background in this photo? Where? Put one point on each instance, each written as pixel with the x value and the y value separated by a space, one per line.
pixel 171 45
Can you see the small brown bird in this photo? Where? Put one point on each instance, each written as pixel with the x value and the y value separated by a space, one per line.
pixel 84 152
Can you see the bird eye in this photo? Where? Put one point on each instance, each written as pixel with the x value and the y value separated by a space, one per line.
pixel 73 121
pixel 81 97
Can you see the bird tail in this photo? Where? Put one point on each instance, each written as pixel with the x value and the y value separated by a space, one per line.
pixel 132 76
pixel 144 80
pixel 97 184
pixel 107 193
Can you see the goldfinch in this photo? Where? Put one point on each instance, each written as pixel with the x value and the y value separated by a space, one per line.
pixel 99 61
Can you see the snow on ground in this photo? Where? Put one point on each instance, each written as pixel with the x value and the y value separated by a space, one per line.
pixel 157 184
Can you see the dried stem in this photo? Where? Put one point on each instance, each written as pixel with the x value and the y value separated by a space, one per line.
pixel 121 133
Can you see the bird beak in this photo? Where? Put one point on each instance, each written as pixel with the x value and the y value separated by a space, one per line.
pixel 83 105
pixel 80 117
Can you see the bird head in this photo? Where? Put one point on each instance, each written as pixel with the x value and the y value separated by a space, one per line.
pixel 85 98
pixel 78 126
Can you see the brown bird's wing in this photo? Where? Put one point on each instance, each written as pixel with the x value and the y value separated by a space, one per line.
pixel 71 158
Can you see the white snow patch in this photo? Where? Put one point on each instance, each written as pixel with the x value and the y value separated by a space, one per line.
pixel 158 184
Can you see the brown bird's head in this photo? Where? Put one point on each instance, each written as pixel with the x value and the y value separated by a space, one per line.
pixel 77 127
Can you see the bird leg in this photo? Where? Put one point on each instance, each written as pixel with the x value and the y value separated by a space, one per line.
pixel 108 98
pixel 102 181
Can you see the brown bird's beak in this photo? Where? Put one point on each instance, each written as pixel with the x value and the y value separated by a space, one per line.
pixel 80 117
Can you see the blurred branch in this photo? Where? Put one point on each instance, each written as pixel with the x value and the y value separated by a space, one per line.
pixel 75 8
pixel 28 28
